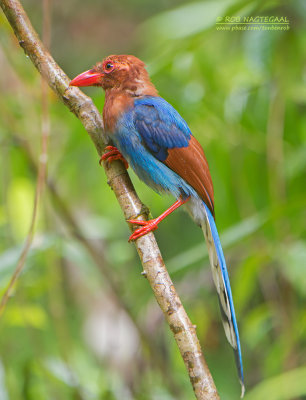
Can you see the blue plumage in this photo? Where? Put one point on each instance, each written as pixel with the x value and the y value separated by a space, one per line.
pixel 148 168
pixel 144 148
pixel 160 126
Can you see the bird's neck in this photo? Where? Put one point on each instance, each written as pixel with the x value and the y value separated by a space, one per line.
pixel 139 88
pixel 117 101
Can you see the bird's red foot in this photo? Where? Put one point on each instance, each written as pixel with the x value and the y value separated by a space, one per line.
pixel 147 226
pixel 113 154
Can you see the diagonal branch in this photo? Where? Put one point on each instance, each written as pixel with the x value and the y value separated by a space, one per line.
pixel 154 269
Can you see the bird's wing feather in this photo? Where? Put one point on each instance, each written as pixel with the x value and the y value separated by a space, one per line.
pixel 167 136
pixel 222 283
pixel 191 164
pixel 160 126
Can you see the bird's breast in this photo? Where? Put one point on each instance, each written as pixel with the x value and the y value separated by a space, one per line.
pixel 115 105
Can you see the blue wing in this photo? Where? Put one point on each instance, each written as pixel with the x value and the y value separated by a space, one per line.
pixel 160 126
pixel 144 134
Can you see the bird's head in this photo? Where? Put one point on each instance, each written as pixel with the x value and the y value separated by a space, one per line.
pixel 124 73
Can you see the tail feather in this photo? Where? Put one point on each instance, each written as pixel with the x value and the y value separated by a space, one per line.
pixel 222 283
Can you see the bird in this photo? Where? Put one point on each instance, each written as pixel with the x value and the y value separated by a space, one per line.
pixel 148 134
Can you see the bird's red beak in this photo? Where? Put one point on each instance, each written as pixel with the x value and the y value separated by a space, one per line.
pixel 87 78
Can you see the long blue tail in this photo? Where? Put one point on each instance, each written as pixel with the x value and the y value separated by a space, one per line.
pixel 221 279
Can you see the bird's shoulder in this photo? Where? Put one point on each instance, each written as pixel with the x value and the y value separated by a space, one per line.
pixel 156 110
pixel 159 125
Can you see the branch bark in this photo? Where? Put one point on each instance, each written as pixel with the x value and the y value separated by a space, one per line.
pixel 153 266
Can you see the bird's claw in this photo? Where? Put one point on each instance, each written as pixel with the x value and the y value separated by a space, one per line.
pixel 147 226
pixel 113 154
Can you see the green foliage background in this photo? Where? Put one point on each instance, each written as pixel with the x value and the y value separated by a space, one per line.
pixel 65 334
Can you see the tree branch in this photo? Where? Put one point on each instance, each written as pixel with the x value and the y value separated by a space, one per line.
pixel 153 266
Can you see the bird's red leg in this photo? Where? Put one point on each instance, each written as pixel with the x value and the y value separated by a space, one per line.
pixel 112 155
pixel 152 224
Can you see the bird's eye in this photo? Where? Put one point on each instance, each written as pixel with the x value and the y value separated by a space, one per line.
pixel 108 67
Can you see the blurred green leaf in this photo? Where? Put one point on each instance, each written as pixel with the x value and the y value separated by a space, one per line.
pixel 188 19
pixel 248 271
pixel 296 162
pixel 293 260
pixel 256 325
pixel 285 386
pixel 228 238
pixel 32 315
pixel 9 258
pixel 20 204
